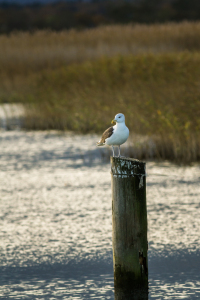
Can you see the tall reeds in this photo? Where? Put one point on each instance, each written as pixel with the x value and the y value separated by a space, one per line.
pixel 79 80
pixel 24 52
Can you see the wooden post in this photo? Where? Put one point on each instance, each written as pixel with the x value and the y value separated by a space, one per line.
pixel 129 221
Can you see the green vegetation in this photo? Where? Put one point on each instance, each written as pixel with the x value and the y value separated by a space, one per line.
pixel 158 92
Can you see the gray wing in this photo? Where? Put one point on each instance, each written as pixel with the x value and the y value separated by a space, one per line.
pixel 107 133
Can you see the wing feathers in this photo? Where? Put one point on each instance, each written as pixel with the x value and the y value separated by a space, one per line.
pixel 107 133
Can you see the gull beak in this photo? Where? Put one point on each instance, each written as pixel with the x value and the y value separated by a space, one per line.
pixel 113 121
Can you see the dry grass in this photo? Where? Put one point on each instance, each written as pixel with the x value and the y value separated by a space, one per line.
pixel 160 96
pixel 80 80
pixel 24 53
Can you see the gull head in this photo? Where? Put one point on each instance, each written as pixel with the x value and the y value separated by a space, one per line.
pixel 119 118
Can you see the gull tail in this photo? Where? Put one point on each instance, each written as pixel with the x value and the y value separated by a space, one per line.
pixel 100 144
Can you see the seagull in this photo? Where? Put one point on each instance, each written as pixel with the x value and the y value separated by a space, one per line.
pixel 115 135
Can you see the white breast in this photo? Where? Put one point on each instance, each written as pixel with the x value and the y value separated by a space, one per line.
pixel 119 136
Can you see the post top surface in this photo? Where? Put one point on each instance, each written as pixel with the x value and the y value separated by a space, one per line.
pixel 127 166
pixel 125 158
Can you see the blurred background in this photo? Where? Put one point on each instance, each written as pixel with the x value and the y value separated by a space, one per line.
pixel 75 64
pixel 66 69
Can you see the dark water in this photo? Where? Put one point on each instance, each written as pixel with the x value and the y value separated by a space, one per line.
pixel 94 279
pixel 56 231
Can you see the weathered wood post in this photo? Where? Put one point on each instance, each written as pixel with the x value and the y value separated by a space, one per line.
pixel 129 221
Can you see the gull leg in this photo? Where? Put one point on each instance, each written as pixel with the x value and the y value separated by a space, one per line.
pixel 119 151
pixel 113 151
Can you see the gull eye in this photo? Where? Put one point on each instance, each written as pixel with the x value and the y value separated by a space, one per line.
pixel 119 116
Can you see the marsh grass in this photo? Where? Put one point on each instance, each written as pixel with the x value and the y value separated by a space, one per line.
pixel 159 94
pixel 79 80
pixel 24 52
